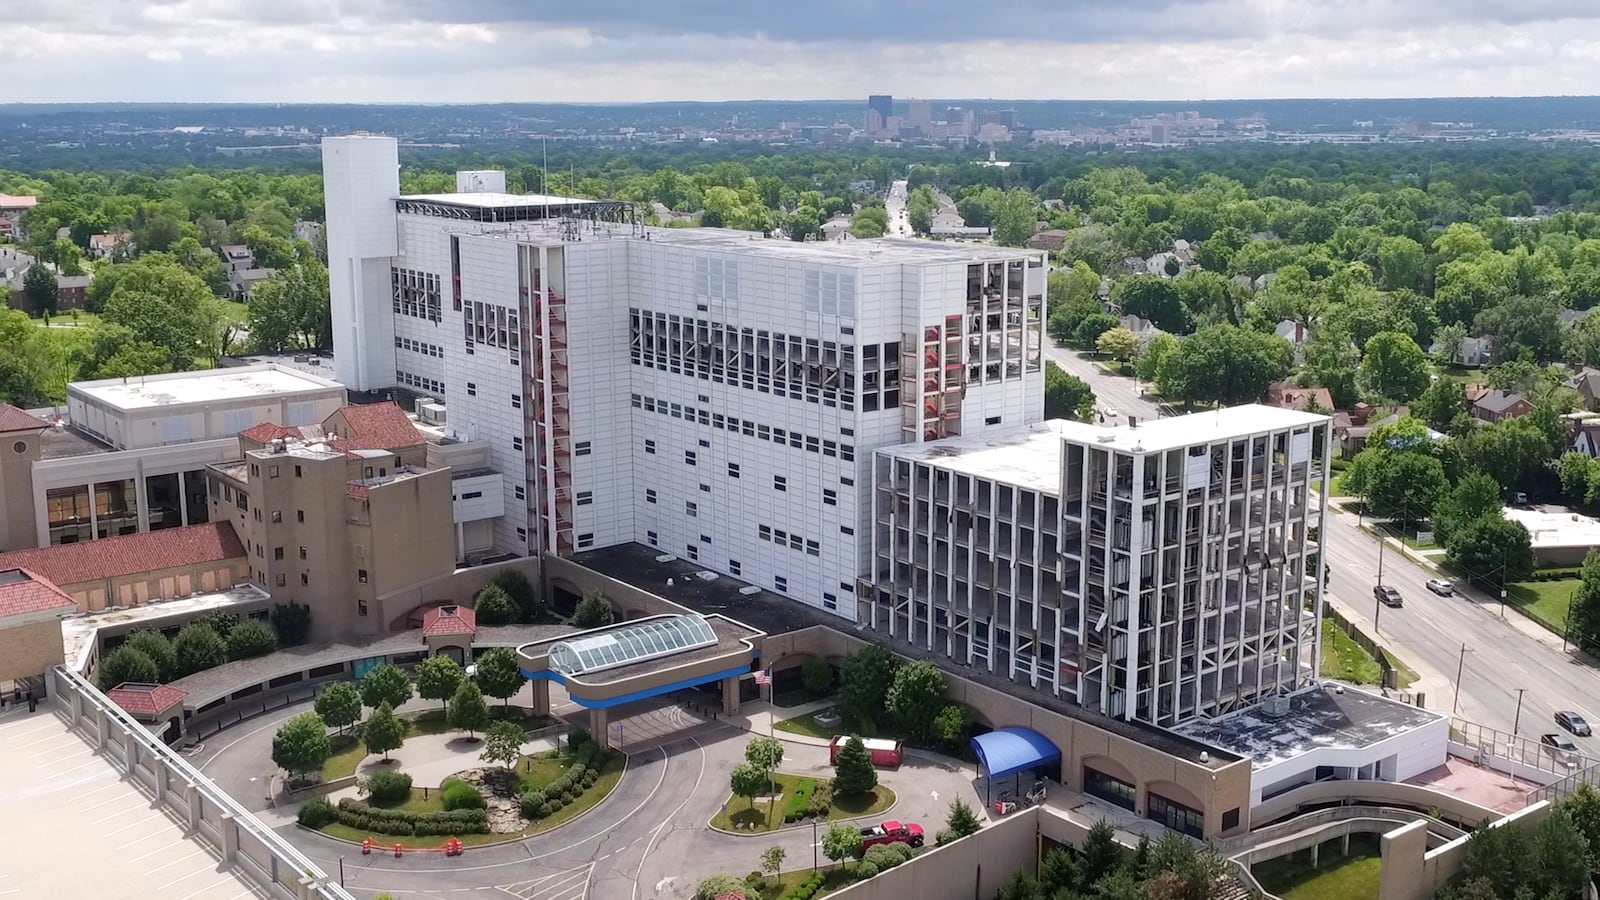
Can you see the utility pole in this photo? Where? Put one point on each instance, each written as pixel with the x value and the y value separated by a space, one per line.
pixel 1517 723
pixel 1460 667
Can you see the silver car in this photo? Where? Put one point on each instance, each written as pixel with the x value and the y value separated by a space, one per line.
pixel 1441 587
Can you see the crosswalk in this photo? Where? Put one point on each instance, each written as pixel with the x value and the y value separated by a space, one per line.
pixel 571 884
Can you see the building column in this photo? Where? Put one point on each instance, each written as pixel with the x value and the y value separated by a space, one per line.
pixel 196 813
pixel 77 708
pixel 730 695
pixel 94 513
pixel 130 750
pixel 1314 853
pixel 599 730
pixel 183 499
pixel 163 784
pixel 541 697
pixel 141 503
pixel 1344 848
pixel 230 839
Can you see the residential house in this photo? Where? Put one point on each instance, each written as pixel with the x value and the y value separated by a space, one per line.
pixel 1052 239
pixel 14 264
pixel 1142 328
pixel 1497 406
pixel 1352 432
pixel 72 292
pixel 243 281
pixel 1288 395
pixel 11 210
pixel 1571 317
pixel 1166 264
pixel 310 232
pixel 238 257
pixel 1132 265
pixel 1587 439
pixel 1587 384
pixel 104 246
pixel 1184 251
pixel 1263 282
pixel 836 228
pixel 1474 351
pixel 1297 335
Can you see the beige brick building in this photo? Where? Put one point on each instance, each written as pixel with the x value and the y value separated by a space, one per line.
pixel 31 609
pixel 135 569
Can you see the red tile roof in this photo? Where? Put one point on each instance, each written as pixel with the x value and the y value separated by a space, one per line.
pixel 149 700
pixel 23 592
pixel 129 554
pixel 449 620
pixel 267 432
pixel 377 426
pixel 13 419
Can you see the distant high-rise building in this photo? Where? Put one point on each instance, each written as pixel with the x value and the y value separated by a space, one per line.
pixel 872 122
pixel 919 113
pixel 1008 118
pixel 882 104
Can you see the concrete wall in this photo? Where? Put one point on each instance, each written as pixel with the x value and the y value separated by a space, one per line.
pixel 27 651
pixel 458 587
pixel 972 868
pixel 1375 793
pixel 18 450
pixel 1413 872
pixel 160 584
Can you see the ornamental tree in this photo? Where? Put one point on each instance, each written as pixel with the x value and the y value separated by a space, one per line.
pixel 301 746
pixel 385 684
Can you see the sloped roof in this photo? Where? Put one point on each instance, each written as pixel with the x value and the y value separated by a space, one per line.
pixel 267 432
pixel 148 700
pixel 14 419
pixel 377 426
pixel 1499 401
pixel 130 554
pixel 23 592
pixel 449 620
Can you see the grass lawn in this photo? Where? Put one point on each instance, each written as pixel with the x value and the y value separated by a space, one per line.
pixel 433 721
pixel 741 814
pixel 1343 658
pixel 1406 676
pixel 347 754
pixel 539 771
pixel 781 884
pixel 1339 878
pixel 807 726
pixel 1407 535
pixel 1545 602
pixel 610 774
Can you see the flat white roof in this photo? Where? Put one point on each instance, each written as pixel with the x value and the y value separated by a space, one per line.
pixel 1152 435
pixel 496 199
pixel 208 386
pixel 1557 526
pixel 1026 457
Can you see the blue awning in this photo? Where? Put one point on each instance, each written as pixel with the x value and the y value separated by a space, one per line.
pixel 1007 751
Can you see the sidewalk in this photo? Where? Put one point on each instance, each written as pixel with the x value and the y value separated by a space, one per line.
pixel 759 716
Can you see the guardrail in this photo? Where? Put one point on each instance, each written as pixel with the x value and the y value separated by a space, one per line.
pixel 242 841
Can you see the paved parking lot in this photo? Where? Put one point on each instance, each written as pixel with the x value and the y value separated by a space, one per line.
pixel 69 810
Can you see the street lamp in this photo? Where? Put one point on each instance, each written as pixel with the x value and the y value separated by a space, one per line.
pixel 1460 666
pixel 1517 723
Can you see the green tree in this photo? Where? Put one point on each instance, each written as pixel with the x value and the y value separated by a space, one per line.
pixel 1225 364
pixel 1066 396
pixel 1405 485
pixel 161 303
pixel 852 770
pixel 1393 368
pixel 155 645
pixel 1493 552
pixel 197 648
pixel 1476 496
pixel 766 752
pixel 1156 352
pixel 870 222
pixel 1118 343
pixel 1016 215
pixel 594 611
pixel 33 369
pixel 1059 871
pixel 772 860
pixel 384 731
pixel 251 638
pixel 498 674
pixel 1155 298
pixel 864 682
pixel 339 705
pixel 1562 862
pixel 1091 326
pixel 502 743
pixel 1020 886
pixel 1444 399
pixel 301 746
pixel 1524 323
pixel 1513 451
pixel 816 676
pixel 523 592
pixel 962 821
pixel 916 697
pixel 382 684
pixel 40 287
pixel 1401 261
pixel 111 351
pixel 841 841
pixel 438 678
pixel 494 606
pixel 720 884
pixel 1583 618
pixel 1102 855
pixel 127 665
pixel 921 205
pixel 1584 807
pixel 952 724
pixel 749 781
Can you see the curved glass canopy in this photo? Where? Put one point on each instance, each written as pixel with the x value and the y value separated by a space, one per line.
pixel 630 644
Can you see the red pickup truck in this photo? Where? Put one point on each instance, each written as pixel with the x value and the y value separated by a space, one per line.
pixel 891 833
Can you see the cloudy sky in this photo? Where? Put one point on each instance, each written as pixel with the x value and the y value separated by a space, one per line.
pixel 641 50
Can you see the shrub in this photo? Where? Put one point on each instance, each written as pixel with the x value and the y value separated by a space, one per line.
pixel 155 645
pixel 530 803
pixel 362 817
pixel 865 870
pixel 316 813
pixel 291 621
pixel 389 787
pixel 197 648
pixel 549 809
pixel 884 856
pixel 807 889
pixel 945 836
pixel 127 664
pixel 495 607
pixel 251 638
pixel 460 795
pixel 577 738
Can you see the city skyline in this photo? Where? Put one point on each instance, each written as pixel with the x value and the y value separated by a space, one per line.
pixel 490 51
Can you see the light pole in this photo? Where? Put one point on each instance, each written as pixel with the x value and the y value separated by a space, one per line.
pixel 1517 723
pixel 813 843
pixel 1460 667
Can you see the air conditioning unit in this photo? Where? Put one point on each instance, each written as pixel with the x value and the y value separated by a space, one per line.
pixel 706 575
pixel 750 591
pixel 432 413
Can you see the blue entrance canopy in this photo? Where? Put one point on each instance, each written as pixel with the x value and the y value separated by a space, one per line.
pixel 1007 751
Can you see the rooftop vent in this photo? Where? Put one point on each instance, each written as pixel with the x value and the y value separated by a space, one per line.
pixel 665 558
pixel 1106 438
pixel 1275 707
pixel 706 575
pixel 750 591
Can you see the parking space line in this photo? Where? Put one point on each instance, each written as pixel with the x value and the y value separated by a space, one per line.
pixel 208 887
pixel 154 852
pixel 104 802
pixel 183 878
pixel 141 840
pixel 155 818
pixel 176 861
pixel 103 787
pixel 134 808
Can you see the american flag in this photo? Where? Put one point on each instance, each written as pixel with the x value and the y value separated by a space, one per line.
pixel 764 677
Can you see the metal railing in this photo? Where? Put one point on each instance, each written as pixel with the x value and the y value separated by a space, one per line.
pixel 1243 843
pixel 1495 745
pixel 287 872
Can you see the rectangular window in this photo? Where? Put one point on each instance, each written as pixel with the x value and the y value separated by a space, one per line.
pixel 585 498
pixel 272 471
pixel 733 470
pixel 282 579
pixel 299 472
pixel 522 534
pixel 734 568
pixel 688 457
pixel 361 607
pixel 705 443
pixel 361 575
pixel 1108 788
pixel 302 553
pixel 650 536
pixel 472 389
pixel 649 495
pixel 829 601
pixel 846 529
pixel 299 515
pixel 277 553
pixel 693 552
pixel 516 443
pixel 305 580
pixel 586 540
pixel 581 448
pixel 830 497
pixel 516 401
pixel 813 548
pixel 705 538
pixel 780 483
pixel 277 516
pixel 781 583
pixel 848 482
pixel 691 509
pixel 992 420
pixel 649 446
pixel 705 488
pixel 519 492
pixel 764 531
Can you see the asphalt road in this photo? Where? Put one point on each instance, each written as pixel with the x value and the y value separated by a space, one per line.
pixel 1428 632
pixel 895 205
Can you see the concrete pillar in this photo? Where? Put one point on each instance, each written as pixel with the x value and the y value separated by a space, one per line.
pixel 102 723
pixel 183 499
pixel 1344 848
pixel 230 839
pixel 305 888
pixel 130 750
pixel 77 708
pixel 163 783
pixel 599 730
pixel 141 503
pixel 94 514
pixel 1315 850
pixel 730 696
pixel 541 697
pixel 195 811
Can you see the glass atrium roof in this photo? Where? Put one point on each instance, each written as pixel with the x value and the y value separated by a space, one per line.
pixel 630 644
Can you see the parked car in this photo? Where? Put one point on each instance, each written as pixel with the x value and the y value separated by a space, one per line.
pixel 1387 595
pixel 1573 722
pixel 1558 746
pixel 891 833
pixel 1441 587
